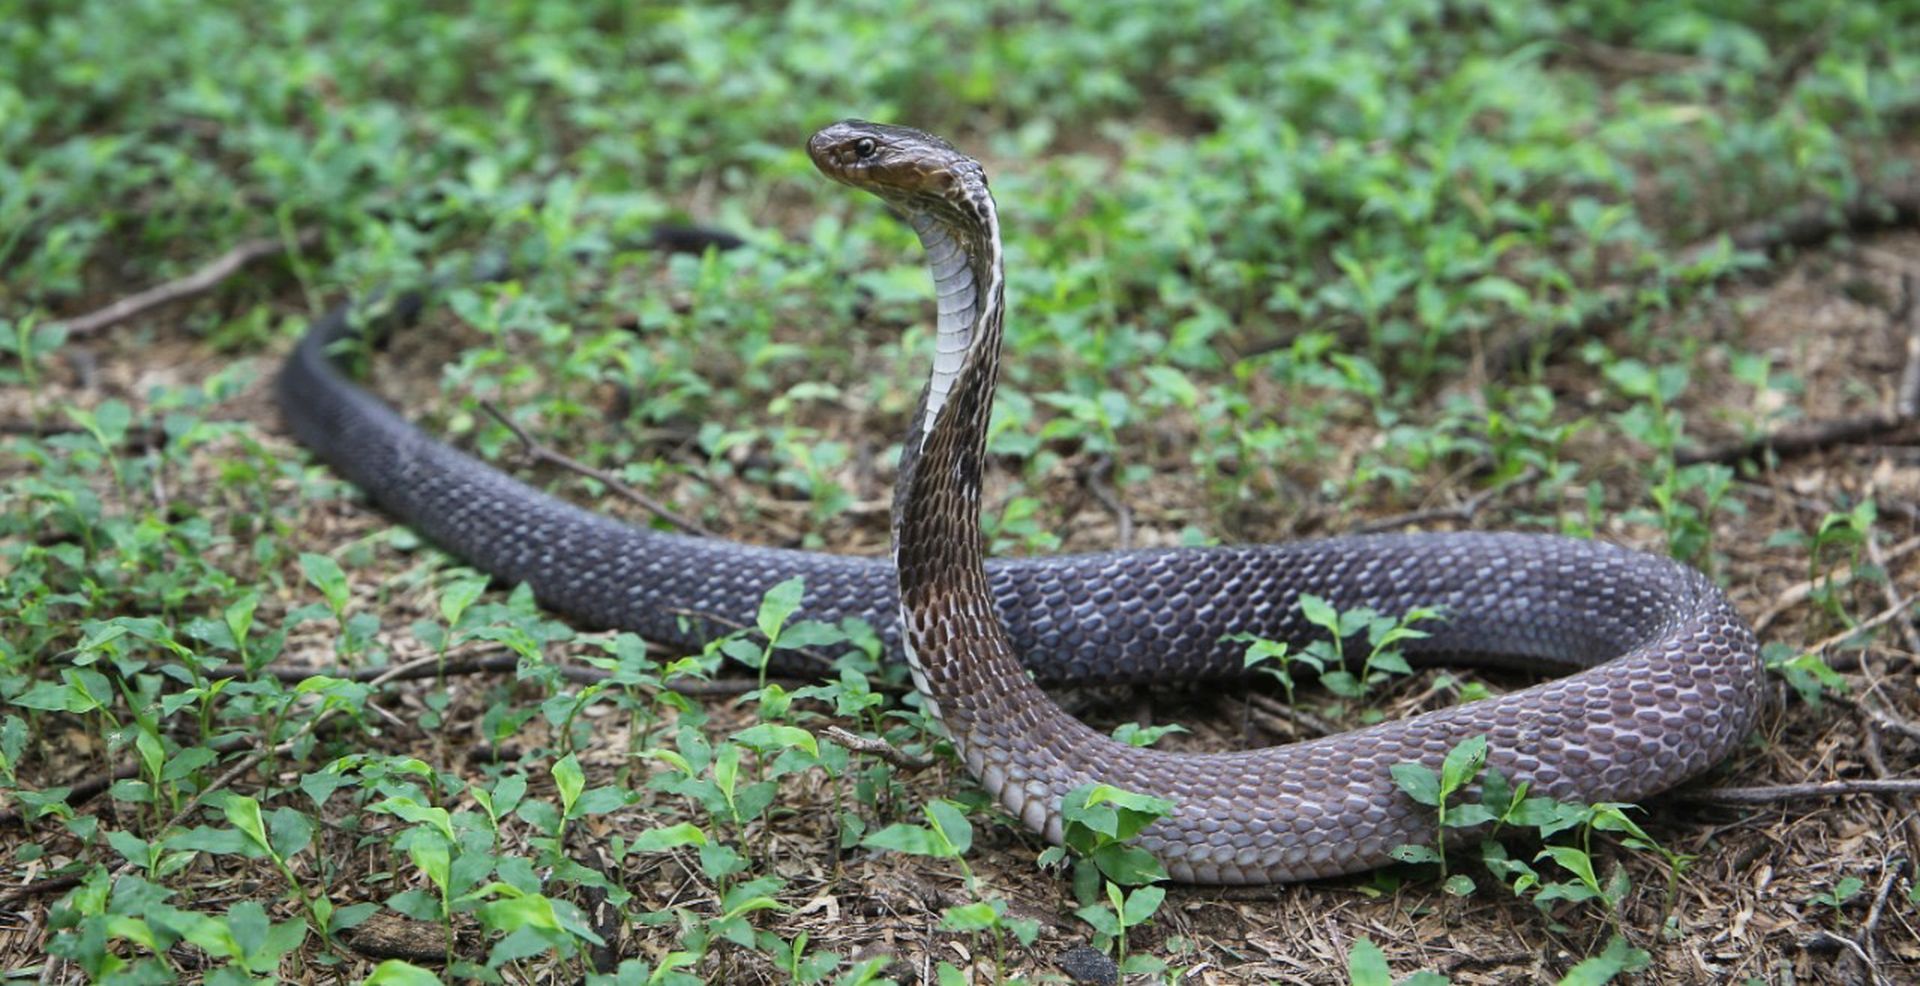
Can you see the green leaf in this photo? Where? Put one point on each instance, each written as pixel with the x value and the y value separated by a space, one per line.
pixel 769 736
pixel 979 916
pixel 1320 613
pixel 1409 853
pixel 1101 917
pixel 570 780
pixel 1141 904
pixel 1573 860
pixel 779 604
pixel 669 837
pixel 901 837
pixel 457 596
pixel 1419 782
pixel 1467 816
pixel 394 972
pixel 1367 965
pixel 1127 865
pixel 1462 763
pixel 952 825
pixel 244 814
pixel 325 574
pixel 1619 957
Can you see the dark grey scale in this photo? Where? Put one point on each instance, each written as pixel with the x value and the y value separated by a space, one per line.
pixel 1685 692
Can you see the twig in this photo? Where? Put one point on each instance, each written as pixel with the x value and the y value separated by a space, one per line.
pixel 1631 61
pixel 1906 400
pixel 1463 512
pixel 1866 940
pixel 1792 442
pixel 1096 479
pixel 197 283
pixel 1879 620
pixel 1770 793
pixel 1809 223
pixel 1883 720
pixel 541 453
pixel 1283 719
pixel 49 885
pixel 877 747
pixel 1878 762
pixel 1800 592
pixel 1787 443
pixel 1903 620
pixel 87 790
pixel 1830 940
pixel 493 664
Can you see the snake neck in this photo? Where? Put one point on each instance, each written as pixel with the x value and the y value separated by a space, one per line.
pixel 938 493
pixel 962 661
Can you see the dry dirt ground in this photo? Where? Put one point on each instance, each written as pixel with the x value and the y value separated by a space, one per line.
pixel 1831 316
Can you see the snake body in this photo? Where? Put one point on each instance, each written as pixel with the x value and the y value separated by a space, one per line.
pixel 1666 675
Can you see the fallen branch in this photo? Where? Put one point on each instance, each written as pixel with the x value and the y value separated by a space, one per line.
pixel 1769 794
pixel 1906 399
pixel 197 283
pixel 877 747
pixel 1788 443
pixel 1462 512
pixel 1800 592
pixel 1804 225
pixel 541 453
pixel 1879 620
pixel 494 664
pixel 1866 939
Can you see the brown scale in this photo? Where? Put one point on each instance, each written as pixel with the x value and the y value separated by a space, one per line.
pixel 1681 695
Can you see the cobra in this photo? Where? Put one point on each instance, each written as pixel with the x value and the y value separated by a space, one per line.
pixel 1663 676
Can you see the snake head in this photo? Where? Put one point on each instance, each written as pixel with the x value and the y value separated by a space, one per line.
pixel 910 169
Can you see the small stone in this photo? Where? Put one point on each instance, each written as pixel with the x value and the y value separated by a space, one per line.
pixel 1085 965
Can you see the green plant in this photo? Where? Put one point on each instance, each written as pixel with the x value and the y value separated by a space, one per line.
pixel 1112 880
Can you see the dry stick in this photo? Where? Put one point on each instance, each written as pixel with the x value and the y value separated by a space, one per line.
pixel 1879 764
pixel 199 282
pixel 1830 940
pixel 1770 793
pixel 1866 940
pixel 1812 222
pixel 1906 400
pixel 1787 443
pixel 493 664
pixel 878 747
pixel 1879 620
pixel 1799 593
pixel 541 453
pixel 1883 719
pixel 1904 621
pixel 1464 511
pixel 1096 479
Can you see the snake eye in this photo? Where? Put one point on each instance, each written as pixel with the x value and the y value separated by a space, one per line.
pixel 864 147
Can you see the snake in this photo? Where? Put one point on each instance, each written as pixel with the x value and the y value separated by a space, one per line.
pixel 1659 675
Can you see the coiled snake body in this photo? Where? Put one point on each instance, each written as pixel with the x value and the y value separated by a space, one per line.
pixel 1668 678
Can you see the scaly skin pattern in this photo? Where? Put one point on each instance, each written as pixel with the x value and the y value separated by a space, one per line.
pixel 1672 679
pixel 1685 687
